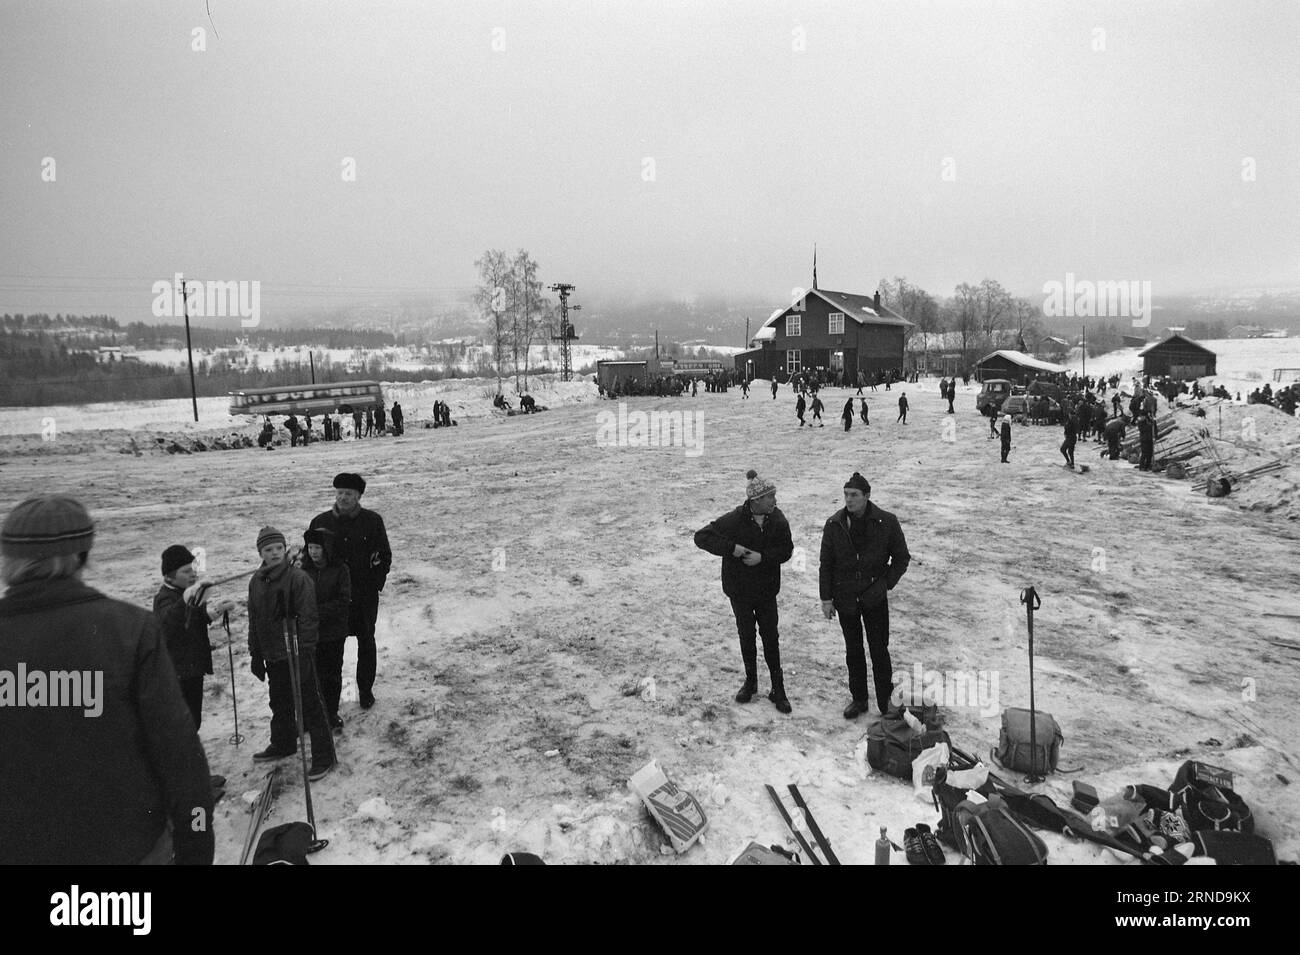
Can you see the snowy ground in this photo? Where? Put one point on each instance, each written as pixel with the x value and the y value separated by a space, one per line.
pixel 539 576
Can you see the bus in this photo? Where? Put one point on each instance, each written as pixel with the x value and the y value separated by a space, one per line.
pixel 692 367
pixel 307 399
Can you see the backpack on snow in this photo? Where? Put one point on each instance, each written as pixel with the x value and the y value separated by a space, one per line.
pixel 892 745
pixel 1014 751
pixel 985 832
pixel 284 845
pixel 1207 800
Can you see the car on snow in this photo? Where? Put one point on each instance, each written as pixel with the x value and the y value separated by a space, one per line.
pixel 993 392
pixel 1023 408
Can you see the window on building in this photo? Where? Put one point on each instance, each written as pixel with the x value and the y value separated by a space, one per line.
pixel 793 325
pixel 837 323
pixel 793 362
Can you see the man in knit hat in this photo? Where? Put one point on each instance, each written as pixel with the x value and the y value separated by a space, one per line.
pixel 753 542
pixel 279 592
pixel 184 621
pixel 100 760
pixel 362 543
pixel 863 556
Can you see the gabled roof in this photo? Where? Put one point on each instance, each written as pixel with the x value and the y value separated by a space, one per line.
pixel 1023 360
pixel 861 308
pixel 1182 338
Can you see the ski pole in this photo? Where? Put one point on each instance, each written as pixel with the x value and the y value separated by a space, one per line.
pixel 295 679
pixel 1029 597
pixel 230 655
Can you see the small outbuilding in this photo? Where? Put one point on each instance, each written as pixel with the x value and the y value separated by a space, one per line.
pixel 1178 357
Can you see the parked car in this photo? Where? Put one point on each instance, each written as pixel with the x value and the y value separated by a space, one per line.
pixel 993 393
pixel 1023 408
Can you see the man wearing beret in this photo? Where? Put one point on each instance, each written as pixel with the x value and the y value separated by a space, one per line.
pixel 863 556
pixel 753 541
pixel 362 543
pixel 100 760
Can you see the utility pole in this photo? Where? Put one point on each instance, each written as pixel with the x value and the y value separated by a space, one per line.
pixel 567 333
pixel 311 359
pixel 746 341
pixel 1085 352
pixel 189 349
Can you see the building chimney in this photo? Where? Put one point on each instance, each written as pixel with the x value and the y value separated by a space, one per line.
pixel 877 300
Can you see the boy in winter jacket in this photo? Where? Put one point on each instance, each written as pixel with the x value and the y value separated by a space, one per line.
pixel 181 608
pixel 278 592
pixel 333 583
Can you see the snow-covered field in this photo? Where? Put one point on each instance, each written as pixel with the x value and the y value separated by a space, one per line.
pixel 540 574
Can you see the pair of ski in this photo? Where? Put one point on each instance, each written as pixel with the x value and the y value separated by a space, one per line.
pixel 809 825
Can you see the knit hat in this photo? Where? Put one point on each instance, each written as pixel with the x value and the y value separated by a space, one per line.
pixel 757 486
pixel 174 558
pixel 269 535
pixel 857 482
pixel 48 526
pixel 350 482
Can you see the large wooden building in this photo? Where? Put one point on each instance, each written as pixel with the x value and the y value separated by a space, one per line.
pixel 1016 367
pixel 1178 357
pixel 827 331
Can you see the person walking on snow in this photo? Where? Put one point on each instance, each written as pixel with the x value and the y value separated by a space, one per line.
pixel 902 408
pixel 865 419
pixel 753 542
pixel 1005 434
pixel 817 408
pixel 799 407
pixel 1071 436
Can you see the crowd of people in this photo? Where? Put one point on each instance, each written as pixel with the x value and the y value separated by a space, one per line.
pixel 133 786
pixel 374 422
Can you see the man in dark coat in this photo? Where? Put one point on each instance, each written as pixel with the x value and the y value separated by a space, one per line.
pixel 753 542
pixel 292 424
pixel 902 407
pixel 1071 436
pixel 78 790
pixel 183 613
pixel 863 555
pixel 278 592
pixel 398 418
pixel 799 406
pixel 774 389
pixel 952 395
pixel 362 542
pixel 333 583
pixel 1005 434
pixel 379 421
pixel 1147 439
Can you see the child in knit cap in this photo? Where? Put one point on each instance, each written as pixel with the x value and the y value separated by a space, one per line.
pixel 278 592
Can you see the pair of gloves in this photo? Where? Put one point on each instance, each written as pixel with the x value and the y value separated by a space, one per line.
pixel 196 595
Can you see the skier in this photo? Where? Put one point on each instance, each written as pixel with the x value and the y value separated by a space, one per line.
pixel 362 542
pixel 799 407
pixel 847 413
pixel 902 406
pixel 1006 437
pixel 1071 435
pixel 129 786
pixel 277 593
pixel 333 585
pixel 817 408
pixel 753 542
pixel 863 555
pixel 183 616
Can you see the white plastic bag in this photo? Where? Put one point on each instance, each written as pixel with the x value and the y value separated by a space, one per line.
pixel 923 768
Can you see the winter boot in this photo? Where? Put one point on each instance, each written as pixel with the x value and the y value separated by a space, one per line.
pixel 777 696
pixel 747 691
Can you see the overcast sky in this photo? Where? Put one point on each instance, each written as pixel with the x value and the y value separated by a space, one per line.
pixel 945 142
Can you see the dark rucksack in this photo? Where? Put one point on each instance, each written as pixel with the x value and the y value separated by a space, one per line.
pixel 1207 800
pixel 284 845
pixel 892 745
pixel 985 832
